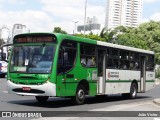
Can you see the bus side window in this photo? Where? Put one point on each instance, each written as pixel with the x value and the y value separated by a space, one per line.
pixel 67 56
pixel 88 55
pixel 150 63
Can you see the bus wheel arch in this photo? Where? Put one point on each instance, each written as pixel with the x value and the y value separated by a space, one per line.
pixel 85 84
pixel 81 92
pixel 133 90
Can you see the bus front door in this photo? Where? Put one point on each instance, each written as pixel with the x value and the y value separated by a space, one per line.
pixel 101 71
pixel 143 74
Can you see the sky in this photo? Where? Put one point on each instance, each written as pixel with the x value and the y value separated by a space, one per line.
pixel 44 15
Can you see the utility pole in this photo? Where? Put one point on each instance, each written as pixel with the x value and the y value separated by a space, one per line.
pixel 75 22
pixel 85 17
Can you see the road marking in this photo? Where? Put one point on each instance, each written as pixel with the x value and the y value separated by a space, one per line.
pixel 156 119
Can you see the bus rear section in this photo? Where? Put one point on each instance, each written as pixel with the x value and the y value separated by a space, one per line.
pixel 124 70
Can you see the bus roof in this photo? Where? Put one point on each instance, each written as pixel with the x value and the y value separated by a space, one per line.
pixel 86 40
pixel 91 41
pixel 124 47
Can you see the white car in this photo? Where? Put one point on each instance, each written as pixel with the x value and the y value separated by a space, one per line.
pixel 3 68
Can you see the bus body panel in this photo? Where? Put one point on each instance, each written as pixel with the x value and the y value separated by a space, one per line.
pixel 119 81
pixel 67 86
pixel 150 83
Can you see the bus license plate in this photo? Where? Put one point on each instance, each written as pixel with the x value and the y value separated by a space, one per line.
pixel 26 88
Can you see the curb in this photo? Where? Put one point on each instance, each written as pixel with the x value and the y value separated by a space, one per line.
pixel 157 101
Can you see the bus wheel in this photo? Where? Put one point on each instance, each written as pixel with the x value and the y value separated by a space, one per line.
pixel 80 95
pixel 41 99
pixel 133 90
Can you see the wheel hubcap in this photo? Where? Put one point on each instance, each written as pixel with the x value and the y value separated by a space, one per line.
pixel 133 91
pixel 81 94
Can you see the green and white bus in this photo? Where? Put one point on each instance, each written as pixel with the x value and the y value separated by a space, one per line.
pixel 56 65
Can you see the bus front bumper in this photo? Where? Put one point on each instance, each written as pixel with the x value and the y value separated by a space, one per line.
pixel 47 89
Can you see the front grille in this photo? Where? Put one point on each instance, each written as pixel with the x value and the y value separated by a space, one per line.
pixel 25 83
pixel 31 91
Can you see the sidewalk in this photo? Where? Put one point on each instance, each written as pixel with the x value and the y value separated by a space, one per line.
pixel 157 81
pixel 157 101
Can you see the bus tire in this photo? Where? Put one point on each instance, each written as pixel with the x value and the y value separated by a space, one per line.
pixel 133 90
pixel 80 96
pixel 41 99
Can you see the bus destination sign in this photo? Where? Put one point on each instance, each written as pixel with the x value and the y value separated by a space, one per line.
pixel 34 39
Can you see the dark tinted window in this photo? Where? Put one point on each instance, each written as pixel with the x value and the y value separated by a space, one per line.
pixel 67 56
pixel 88 55
pixel 122 59
pixel 150 63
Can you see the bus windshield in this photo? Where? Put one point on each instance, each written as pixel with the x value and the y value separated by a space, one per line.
pixel 32 59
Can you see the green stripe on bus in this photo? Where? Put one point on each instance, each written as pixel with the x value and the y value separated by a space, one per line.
pixel 150 81
pixel 112 81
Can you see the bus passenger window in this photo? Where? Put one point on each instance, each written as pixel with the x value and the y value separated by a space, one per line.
pixel 150 63
pixel 91 61
pixel 67 57
pixel 88 55
pixel 83 61
pixel 136 66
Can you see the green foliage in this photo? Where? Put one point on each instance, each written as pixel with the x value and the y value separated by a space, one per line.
pixel 91 36
pixel 59 30
pixel 157 72
pixel 132 41
pixel 106 35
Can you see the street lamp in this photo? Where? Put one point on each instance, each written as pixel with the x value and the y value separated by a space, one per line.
pixel 75 22
pixel 85 16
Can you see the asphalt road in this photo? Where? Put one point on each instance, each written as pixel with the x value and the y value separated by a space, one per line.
pixel 12 102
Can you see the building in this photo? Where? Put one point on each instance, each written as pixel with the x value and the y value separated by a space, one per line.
pixel 92 25
pixel 123 13
pixel 18 29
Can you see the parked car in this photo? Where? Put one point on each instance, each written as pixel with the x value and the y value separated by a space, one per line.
pixel 3 68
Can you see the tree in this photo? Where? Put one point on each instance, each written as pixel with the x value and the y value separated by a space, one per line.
pixel 59 30
pixel 107 35
pixel 157 72
pixel 91 36
pixel 146 36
